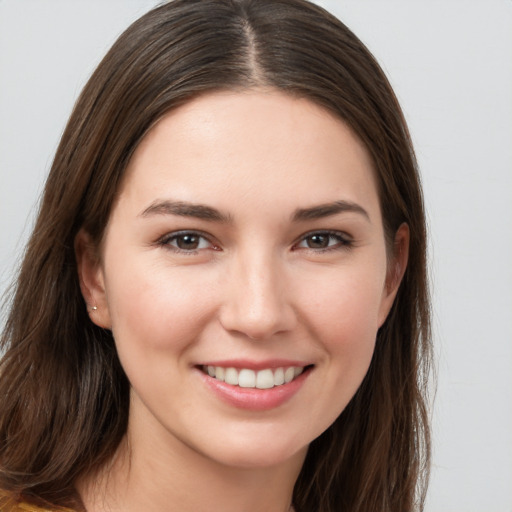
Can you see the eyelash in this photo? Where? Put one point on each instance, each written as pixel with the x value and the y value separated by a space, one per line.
pixel 167 239
pixel 343 241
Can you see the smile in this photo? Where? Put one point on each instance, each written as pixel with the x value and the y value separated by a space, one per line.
pixel 246 378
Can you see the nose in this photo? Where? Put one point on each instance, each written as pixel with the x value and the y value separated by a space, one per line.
pixel 257 299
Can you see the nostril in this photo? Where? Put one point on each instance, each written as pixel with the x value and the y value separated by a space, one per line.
pixel 257 325
pixel 256 303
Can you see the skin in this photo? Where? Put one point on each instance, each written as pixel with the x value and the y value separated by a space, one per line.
pixel 258 286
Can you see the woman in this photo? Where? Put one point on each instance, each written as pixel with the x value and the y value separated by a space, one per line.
pixel 225 290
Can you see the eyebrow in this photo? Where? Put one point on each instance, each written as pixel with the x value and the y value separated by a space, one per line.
pixel 328 209
pixel 185 209
pixel 204 212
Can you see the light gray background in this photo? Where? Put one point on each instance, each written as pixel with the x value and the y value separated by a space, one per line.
pixel 451 65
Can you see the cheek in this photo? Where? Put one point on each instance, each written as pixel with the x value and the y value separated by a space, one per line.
pixel 347 303
pixel 156 308
pixel 342 319
pixel 345 319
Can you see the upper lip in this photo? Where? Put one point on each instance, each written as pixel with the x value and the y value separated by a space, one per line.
pixel 255 365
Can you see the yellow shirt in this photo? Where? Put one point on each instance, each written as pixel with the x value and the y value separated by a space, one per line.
pixel 9 503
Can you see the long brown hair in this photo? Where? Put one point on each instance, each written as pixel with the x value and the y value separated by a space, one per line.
pixel 63 394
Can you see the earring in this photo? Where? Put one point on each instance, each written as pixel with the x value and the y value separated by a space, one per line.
pixel 93 308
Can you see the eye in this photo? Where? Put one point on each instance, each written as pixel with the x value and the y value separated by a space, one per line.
pixel 187 242
pixel 324 240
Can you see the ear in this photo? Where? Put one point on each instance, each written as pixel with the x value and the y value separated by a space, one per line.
pixel 92 281
pixel 396 270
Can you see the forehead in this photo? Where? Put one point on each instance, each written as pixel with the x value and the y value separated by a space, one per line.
pixel 255 146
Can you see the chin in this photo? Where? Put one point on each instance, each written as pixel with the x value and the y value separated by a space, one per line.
pixel 249 452
pixel 248 458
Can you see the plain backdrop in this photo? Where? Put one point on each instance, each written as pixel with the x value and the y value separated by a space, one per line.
pixel 450 63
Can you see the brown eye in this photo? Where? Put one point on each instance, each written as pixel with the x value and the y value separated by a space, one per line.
pixel 318 241
pixel 186 242
pixel 322 240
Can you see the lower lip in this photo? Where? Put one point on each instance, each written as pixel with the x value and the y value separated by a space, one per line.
pixel 252 398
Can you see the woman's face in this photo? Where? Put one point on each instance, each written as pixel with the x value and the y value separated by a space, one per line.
pixel 246 246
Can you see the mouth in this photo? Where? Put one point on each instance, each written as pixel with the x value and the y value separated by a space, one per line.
pixel 265 378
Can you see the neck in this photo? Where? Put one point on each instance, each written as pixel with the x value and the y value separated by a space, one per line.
pixel 160 473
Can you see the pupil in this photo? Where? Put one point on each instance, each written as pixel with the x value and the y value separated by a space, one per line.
pixel 188 242
pixel 318 241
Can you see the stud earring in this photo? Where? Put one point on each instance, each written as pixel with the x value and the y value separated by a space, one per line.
pixel 93 308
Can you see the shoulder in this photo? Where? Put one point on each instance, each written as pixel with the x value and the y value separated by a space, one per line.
pixel 10 502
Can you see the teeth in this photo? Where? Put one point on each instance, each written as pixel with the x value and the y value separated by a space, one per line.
pixel 230 376
pixel 289 374
pixel 279 377
pixel 246 378
pixel 219 373
pixel 265 379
